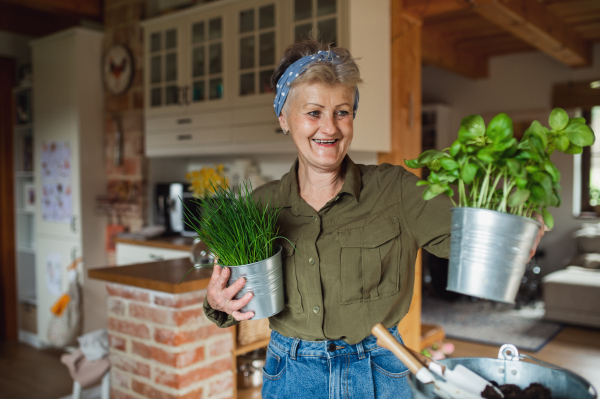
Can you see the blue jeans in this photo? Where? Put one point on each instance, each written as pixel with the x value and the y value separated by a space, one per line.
pixel 295 368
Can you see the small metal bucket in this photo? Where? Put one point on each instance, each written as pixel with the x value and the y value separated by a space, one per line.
pixel 265 280
pixel 488 252
pixel 509 369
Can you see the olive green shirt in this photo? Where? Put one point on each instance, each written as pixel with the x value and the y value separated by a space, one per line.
pixel 353 265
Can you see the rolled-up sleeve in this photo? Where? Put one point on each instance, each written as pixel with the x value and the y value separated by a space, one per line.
pixel 428 221
pixel 221 319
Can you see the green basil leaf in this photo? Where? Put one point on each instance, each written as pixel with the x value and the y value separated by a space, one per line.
pixel 529 154
pixel 422 183
pixel 471 128
pixel 514 167
pixel 433 191
pixel 552 170
pixel 573 149
pixel 580 134
pixel 536 144
pixel 431 155
pixel 519 197
pixel 500 128
pixel 532 168
pixel 543 179
pixel 448 163
pixel 521 182
pixel 548 219
pixel 413 164
pixel 487 155
pixel 577 120
pixel 468 172
pixel 558 119
pixel 538 195
pixel 505 145
pixel 561 142
pixel 434 165
pixel 455 148
pixel 536 129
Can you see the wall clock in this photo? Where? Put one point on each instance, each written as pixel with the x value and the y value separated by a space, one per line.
pixel 117 69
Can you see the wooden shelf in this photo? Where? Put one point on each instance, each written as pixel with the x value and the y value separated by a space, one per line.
pixel 20 128
pixel 249 393
pixel 22 173
pixel 24 212
pixel 243 349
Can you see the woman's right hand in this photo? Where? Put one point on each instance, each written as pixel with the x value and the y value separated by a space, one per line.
pixel 220 297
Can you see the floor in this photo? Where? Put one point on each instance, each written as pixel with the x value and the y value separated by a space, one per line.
pixel 26 373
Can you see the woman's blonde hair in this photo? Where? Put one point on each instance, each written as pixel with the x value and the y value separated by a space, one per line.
pixel 345 73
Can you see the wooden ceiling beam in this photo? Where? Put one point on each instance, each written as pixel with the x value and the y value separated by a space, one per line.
pixel 90 9
pixel 530 21
pixel 447 55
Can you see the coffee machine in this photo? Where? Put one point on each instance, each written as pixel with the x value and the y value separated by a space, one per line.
pixel 170 211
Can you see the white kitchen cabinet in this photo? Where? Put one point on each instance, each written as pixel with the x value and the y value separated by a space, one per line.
pixel 207 87
pixel 68 105
pixel 130 253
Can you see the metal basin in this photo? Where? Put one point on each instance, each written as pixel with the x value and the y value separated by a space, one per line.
pixel 509 369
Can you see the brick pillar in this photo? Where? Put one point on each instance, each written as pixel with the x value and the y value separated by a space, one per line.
pixel 163 347
pixel 128 180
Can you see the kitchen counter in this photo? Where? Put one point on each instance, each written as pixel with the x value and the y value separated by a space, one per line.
pixel 169 242
pixel 163 276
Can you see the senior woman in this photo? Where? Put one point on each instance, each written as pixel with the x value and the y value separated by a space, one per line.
pixel 356 230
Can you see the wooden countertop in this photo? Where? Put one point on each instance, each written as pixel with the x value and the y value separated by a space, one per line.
pixel 170 242
pixel 161 276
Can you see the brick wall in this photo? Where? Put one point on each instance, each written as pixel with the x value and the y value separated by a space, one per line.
pixel 121 24
pixel 163 347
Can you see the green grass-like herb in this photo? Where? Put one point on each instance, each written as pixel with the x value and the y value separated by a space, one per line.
pixel 237 228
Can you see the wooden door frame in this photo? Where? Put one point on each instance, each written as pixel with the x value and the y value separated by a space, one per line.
pixel 8 280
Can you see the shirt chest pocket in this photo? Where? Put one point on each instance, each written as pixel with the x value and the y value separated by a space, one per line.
pixel 293 300
pixel 370 261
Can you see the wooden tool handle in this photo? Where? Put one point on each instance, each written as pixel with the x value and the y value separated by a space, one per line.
pixel 387 341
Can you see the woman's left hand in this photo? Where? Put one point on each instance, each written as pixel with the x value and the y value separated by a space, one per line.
pixel 540 234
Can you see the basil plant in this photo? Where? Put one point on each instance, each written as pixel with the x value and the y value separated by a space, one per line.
pixel 492 170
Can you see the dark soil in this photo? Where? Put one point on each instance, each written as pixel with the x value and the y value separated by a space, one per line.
pixel 533 391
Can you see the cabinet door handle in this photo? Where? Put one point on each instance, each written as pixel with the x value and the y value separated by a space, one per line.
pixel 184 121
pixel 156 257
pixel 184 137
pixel 279 130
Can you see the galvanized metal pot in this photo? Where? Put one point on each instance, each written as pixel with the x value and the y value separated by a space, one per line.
pixel 509 369
pixel 488 253
pixel 265 280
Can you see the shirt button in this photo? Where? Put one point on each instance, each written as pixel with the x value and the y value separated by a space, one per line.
pixel 311 261
pixel 316 219
pixel 336 198
pixel 316 309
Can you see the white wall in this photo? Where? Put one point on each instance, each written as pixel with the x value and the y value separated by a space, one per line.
pixel 520 85
pixel 15 46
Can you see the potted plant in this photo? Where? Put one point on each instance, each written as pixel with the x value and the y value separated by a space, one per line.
pixel 500 183
pixel 240 232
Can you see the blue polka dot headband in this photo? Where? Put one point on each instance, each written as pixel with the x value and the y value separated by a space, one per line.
pixel 294 70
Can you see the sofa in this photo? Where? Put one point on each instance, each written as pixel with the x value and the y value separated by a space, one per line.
pixel 572 295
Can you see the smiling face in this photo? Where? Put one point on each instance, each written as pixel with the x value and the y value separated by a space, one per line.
pixel 319 117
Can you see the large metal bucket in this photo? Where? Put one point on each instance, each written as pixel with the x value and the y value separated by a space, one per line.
pixel 488 252
pixel 265 280
pixel 509 369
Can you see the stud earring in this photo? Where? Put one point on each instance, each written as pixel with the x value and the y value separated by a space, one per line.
pixel 286 132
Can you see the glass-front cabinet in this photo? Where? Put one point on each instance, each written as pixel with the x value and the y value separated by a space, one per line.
pixel 257 39
pixel 208 69
pixel 317 16
pixel 163 77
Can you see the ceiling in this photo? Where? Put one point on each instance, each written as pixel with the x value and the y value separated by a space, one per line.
pixel 461 35
pixel 42 17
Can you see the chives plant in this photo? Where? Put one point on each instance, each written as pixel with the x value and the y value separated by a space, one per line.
pixel 237 228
